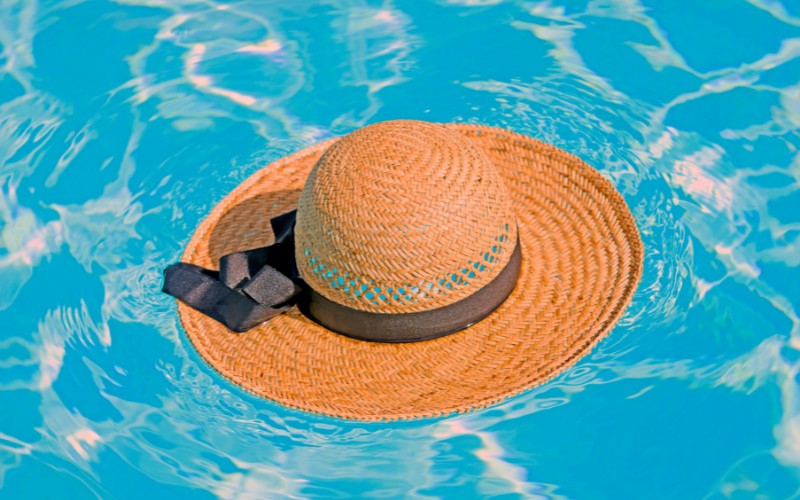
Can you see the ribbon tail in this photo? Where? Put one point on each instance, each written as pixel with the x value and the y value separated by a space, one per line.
pixel 283 226
pixel 200 290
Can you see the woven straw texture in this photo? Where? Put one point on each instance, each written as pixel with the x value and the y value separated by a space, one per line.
pixel 582 261
pixel 403 216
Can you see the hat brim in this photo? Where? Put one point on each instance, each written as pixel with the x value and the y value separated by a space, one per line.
pixel 582 260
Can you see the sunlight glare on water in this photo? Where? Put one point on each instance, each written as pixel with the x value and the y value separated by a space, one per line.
pixel 123 123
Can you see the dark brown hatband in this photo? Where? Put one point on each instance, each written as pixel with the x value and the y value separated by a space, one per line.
pixel 416 326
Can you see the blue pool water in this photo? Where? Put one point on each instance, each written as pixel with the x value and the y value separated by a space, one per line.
pixel 123 123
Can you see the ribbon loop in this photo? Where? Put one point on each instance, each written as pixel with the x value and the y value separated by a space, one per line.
pixel 269 286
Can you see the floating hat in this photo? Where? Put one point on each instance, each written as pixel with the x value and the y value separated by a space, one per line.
pixel 407 270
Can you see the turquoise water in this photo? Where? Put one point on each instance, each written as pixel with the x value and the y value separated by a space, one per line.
pixel 122 124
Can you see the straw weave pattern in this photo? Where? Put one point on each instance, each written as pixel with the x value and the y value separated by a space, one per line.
pixel 582 259
pixel 403 216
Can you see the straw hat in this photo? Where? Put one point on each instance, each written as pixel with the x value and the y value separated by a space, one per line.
pixel 428 269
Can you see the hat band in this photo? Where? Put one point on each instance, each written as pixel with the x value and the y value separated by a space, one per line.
pixel 254 286
pixel 415 326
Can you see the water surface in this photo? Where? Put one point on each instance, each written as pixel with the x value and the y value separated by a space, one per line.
pixel 123 123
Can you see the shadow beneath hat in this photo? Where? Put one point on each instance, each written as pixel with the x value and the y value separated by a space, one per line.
pixel 246 224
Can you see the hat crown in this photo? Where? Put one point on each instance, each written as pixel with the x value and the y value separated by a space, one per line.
pixel 403 216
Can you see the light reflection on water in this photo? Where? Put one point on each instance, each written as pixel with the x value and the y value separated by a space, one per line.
pixel 121 124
